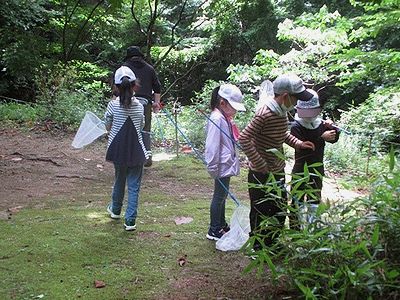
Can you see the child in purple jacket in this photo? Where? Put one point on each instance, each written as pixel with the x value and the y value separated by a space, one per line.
pixel 220 154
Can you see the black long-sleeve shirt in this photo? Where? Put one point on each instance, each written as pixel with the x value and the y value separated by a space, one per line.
pixel 147 76
pixel 309 156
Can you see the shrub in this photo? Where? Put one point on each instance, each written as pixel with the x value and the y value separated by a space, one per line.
pixel 18 113
pixel 348 251
pixel 68 92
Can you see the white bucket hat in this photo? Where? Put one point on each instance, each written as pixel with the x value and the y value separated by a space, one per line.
pixel 233 95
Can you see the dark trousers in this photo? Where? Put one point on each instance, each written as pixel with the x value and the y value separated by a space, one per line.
pixel 147 130
pixel 266 202
pixel 315 183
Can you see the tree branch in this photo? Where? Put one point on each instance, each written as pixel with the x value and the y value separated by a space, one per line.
pixel 183 76
pixel 82 28
pixel 64 32
pixel 136 19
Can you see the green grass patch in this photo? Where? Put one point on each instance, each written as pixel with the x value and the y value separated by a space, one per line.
pixel 57 252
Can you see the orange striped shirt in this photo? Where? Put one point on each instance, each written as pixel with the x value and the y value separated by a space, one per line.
pixel 266 130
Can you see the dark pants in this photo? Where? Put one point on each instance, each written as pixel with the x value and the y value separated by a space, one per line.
pixel 267 203
pixel 315 183
pixel 146 132
pixel 217 206
pixel 147 117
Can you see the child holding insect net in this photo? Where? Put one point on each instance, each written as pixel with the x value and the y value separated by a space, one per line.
pixel 308 126
pixel 126 149
pixel 220 154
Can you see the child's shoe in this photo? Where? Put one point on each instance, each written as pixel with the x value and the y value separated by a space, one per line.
pixel 215 236
pixel 112 215
pixel 130 225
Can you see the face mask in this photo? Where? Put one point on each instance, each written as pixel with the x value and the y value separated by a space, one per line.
pixel 310 120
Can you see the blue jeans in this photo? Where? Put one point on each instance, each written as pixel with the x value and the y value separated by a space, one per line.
pixel 132 175
pixel 217 207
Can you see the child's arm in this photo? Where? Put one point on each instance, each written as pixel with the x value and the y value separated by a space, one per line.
pixel 108 116
pixel 330 134
pixel 212 148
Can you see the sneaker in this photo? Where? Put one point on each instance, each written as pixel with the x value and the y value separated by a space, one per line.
pixel 112 215
pixel 149 162
pixel 226 228
pixel 130 225
pixel 215 236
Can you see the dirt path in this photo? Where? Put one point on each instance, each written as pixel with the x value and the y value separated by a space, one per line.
pixel 36 165
pixel 41 165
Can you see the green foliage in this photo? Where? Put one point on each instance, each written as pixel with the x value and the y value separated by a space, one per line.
pixel 64 99
pixel 346 251
pixel 378 117
pixel 18 113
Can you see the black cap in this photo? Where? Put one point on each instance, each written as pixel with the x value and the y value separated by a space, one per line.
pixel 304 95
pixel 133 51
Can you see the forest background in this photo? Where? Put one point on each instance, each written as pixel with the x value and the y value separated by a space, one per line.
pixel 57 59
pixel 59 56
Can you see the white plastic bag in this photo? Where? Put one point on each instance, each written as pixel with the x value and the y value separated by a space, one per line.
pixel 266 92
pixel 235 238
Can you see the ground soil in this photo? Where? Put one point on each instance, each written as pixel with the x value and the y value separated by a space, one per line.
pixel 37 165
pixel 41 167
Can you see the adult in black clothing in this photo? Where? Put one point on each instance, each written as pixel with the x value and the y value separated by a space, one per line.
pixel 307 126
pixel 149 91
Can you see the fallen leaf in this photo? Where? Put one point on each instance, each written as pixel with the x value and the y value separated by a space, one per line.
pixel 182 261
pixel 99 284
pixel 15 209
pixel 186 149
pixel 183 220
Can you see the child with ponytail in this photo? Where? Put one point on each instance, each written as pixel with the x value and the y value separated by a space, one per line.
pixel 126 150
pixel 220 154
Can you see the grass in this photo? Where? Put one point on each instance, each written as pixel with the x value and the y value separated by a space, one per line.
pixel 58 251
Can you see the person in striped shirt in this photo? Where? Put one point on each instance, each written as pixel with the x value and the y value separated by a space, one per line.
pixel 126 150
pixel 262 137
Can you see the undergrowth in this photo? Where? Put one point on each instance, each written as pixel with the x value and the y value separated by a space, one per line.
pixel 348 250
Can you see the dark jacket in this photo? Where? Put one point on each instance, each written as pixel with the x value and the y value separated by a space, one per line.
pixel 147 76
pixel 309 156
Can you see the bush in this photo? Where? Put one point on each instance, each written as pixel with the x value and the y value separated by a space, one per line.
pixel 379 118
pixel 68 92
pixel 348 251
pixel 18 113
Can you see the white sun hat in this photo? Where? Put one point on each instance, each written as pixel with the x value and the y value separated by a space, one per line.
pixel 233 95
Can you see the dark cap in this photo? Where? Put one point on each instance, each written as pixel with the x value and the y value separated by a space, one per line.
pixel 133 51
pixel 293 85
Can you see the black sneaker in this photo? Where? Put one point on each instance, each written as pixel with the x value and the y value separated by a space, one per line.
pixel 215 236
pixel 130 225
pixel 149 162
pixel 226 228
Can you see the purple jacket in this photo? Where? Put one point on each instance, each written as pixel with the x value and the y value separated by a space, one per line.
pixel 220 153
